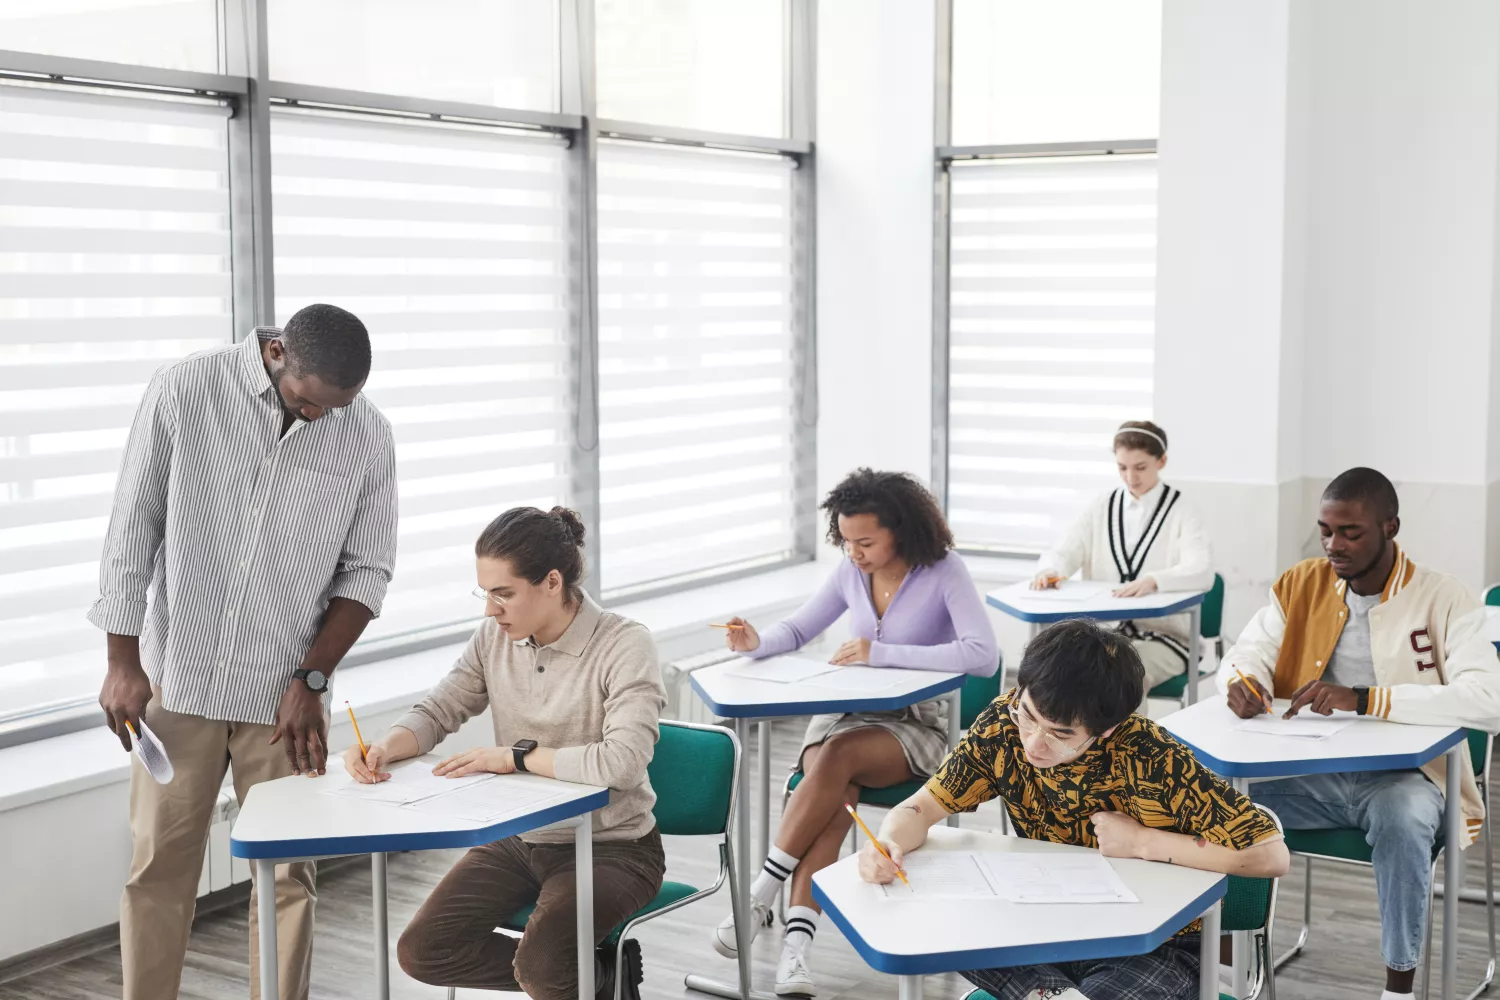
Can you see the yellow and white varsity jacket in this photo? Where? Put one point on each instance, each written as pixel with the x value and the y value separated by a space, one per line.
pixel 1433 663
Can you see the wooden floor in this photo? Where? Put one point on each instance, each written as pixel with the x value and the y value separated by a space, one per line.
pixel 1342 961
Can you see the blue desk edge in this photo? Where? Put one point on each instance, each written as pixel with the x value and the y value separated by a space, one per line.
pixel 872 703
pixel 1009 956
pixel 317 847
pixel 1065 613
pixel 1333 765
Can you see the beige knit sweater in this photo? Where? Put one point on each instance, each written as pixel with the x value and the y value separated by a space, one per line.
pixel 595 695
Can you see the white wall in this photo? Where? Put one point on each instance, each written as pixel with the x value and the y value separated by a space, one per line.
pixel 874 255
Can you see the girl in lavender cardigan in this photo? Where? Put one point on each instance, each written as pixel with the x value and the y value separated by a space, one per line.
pixel 911 603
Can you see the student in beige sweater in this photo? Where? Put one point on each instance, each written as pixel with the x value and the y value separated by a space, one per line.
pixel 574 693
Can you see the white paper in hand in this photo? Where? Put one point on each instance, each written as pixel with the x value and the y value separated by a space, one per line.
pixel 152 754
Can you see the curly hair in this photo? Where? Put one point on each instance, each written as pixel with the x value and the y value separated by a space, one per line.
pixel 901 505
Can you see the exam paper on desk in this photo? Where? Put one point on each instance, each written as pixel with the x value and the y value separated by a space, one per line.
pixel 780 669
pixel 408 783
pixel 1013 876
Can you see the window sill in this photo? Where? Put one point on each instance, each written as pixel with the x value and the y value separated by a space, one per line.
pixel 76 762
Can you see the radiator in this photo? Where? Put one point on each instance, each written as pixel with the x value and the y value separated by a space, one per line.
pixel 220 871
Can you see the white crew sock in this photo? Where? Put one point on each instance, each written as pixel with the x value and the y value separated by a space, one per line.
pixel 801 924
pixel 777 869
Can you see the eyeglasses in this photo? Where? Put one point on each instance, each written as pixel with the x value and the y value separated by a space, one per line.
pixel 488 598
pixel 1027 725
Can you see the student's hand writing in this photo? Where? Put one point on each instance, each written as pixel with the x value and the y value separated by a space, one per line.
pixel 1045 580
pixel 1246 703
pixel 1323 698
pixel 873 867
pixel 1119 835
pixel 744 639
pixel 853 651
pixel 302 728
pixel 366 769
pixel 1137 588
pixel 496 760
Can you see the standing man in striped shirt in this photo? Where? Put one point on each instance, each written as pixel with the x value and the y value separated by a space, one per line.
pixel 256 504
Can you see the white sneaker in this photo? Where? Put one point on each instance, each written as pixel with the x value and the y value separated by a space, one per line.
pixel 724 939
pixel 793 979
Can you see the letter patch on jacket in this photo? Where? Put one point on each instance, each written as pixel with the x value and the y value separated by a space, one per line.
pixel 1421 644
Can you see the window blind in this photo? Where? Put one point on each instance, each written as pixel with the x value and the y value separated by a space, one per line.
pixel 695 361
pixel 450 243
pixel 114 259
pixel 1051 327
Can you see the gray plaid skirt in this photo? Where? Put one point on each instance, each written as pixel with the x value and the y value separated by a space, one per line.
pixel 1168 973
pixel 922 731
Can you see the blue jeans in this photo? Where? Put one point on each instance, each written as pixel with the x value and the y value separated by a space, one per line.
pixel 1401 813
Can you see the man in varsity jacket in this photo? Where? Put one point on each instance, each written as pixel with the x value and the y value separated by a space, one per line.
pixel 1366 630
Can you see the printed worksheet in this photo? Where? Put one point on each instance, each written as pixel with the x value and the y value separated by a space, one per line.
pixel 1074 590
pixel 1305 725
pixel 409 782
pixel 490 800
pixel 859 679
pixel 781 669
pixel 941 875
pixel 1026 877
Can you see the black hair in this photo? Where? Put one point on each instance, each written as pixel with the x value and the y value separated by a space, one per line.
pixel 536 542
pixel 902 505
pixel 328 342
pixel 1129 436
pixel 1367 487
pixel 1079 673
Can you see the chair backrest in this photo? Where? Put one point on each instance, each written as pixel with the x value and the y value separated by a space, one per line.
pixel 1248 901
pixel 1492 595
pixel 977 694
pixel 693 774
pixel 1211 615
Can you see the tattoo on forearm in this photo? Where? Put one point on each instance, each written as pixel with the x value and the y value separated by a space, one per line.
pixel 1201 841
pixel 913 807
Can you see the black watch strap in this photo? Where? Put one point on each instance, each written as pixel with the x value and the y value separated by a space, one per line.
pixel 520 750
pixel 1362 700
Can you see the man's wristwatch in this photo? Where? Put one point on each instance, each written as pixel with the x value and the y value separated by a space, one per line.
pixel 1361 700
pixel 316 680
pixel 521 749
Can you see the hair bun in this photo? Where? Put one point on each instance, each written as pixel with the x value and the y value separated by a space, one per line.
pixel 571 521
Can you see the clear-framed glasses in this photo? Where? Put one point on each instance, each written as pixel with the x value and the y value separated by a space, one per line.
pixel 487 597
pixel 1027 725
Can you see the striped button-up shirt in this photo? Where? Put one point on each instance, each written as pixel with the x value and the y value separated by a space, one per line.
pixel 241 534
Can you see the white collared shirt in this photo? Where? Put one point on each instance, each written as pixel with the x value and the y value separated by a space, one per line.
pixel 1138 511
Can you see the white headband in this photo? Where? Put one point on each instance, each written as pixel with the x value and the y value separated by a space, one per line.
pixel 1141 430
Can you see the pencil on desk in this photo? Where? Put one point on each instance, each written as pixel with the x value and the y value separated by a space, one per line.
pixel 363 751
pixel 878 845
pixel 716 625
pixel 1253 689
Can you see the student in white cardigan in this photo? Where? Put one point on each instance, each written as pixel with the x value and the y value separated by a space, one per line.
pixel 1146 538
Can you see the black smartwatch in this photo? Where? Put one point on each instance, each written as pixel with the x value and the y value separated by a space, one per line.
pixel 521 749
pixel 1361 700
pixel 316 680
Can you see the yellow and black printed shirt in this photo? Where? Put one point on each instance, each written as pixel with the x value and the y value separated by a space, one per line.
pixel 1139 770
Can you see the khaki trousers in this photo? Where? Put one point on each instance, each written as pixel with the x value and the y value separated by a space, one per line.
pixel 169 828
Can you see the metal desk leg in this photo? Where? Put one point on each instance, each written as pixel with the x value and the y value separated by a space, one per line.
pixel 382 927
pixel 763 774
pixel 1242 947
pixel 1458 762
pixel 955 722
pixel 909 988
pixel 583 860
pixel 1208 956
pixel 265 903
pixel 744 872
pixel 1195 654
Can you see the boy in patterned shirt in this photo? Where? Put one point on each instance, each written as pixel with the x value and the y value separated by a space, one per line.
pixel 1075 766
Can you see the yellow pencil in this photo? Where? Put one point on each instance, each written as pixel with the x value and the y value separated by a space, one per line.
pixel 730 627
pixel 363 752
pixel 878 845
pixel 1252 689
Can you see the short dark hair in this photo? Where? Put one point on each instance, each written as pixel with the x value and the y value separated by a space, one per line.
pixel 328 342
pixel 1368 487
pixel 1080 673
pixel 1129 436
pixel 536 542
pixel 902 505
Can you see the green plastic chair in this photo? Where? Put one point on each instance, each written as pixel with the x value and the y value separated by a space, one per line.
pixel 975 697
pixel 1249 905
pixel 1492 595
pixel 694 772
pixel 1348 846
pixel 1210 629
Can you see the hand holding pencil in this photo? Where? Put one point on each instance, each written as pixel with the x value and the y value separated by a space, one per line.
pixel 739 635
pixel 363 762
pixel 878 862
pixel 1247 698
